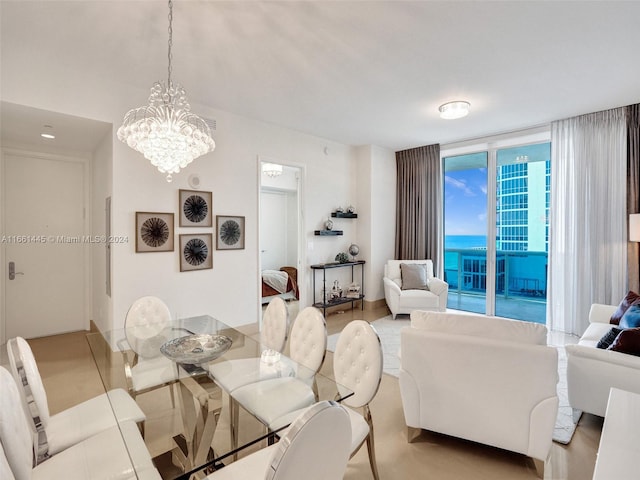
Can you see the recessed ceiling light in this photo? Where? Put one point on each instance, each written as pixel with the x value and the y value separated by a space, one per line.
pixel 453 110
pixel 47 132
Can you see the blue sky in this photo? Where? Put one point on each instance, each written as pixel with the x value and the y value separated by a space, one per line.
pixel 465 200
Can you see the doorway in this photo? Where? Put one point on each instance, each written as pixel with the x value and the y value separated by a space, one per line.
pixel 280 259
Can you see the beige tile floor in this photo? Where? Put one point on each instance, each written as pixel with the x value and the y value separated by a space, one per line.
pixel 70 376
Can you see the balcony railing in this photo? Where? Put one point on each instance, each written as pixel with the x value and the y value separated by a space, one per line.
pixel 521 282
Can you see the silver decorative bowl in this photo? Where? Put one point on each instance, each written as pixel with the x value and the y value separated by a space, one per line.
pixel 196 349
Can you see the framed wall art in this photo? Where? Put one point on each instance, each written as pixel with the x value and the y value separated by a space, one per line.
pixel 154 232
pixel 195 208
pixel 229 233
pixel 196 251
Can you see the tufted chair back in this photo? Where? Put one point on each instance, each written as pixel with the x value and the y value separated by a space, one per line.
pixel 145 323
pixel 357 362
pixel 275 325
pixel 28 376
pixel 308 342
pixel 316 447
pixel 15 434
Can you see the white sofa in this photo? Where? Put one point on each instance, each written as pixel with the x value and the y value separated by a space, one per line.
pixel 485 379
pixel 591 371
pixel 405 301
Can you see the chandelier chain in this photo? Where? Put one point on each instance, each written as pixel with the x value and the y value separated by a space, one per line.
pixel 170 42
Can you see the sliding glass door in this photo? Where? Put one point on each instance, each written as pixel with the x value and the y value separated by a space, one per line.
pixel 496 206
pixel 465 231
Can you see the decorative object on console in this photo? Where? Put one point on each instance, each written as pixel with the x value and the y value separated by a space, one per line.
pixel 195 252
pixel 351 209
pixel 353 291
pixel 336 290
pixel 342 257
pixel 154 232
pixel 195 208
pixel 354 250
pixel 339 210
pixel 165 131
pixel 230 232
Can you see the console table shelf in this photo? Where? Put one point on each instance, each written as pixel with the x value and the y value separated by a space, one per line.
pixel 342 300
pixel 324 233
pixel 344 215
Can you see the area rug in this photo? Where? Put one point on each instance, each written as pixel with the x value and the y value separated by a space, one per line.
pixel 389 332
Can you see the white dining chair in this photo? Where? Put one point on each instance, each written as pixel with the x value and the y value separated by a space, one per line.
pixel 68 427
pixel 357 368
pixel 100 457
pixel 316 447
pixel 273 397
pixel 147 327
pixel 234 373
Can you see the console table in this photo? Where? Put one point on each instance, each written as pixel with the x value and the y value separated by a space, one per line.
pixel 323 267
pixel 619 448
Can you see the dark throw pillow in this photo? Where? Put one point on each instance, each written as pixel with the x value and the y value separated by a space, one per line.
pixel 414 276
pixel 608 338
pixel 628 341
pixel 631 318
pixel 626 302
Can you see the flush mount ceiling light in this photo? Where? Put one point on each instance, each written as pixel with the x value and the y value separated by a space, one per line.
pixel 47 132
pixel 453 110
pixel 271 169
pixel 165 131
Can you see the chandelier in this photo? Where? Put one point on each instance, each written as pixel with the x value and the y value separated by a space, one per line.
pixel 272 169
pixel 165 131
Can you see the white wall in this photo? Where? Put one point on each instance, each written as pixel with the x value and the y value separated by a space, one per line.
pixel 229 291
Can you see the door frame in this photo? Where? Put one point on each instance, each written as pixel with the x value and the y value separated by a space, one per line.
pixel 302 258
pixel 85 160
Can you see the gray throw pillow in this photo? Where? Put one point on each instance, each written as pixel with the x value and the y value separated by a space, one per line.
pixel 414 276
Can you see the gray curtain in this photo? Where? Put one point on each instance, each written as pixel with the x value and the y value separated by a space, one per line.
pixel 419 205
pixel 633 189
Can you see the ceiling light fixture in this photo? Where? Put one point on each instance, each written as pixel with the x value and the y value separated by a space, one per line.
pixel 165 131
pixel 47 132
pixel 272 169
pixel 453 110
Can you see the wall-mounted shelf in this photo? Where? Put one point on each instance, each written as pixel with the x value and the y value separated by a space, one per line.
pixel 327 233
pixel 344 215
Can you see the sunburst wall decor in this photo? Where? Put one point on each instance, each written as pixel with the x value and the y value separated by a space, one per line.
pixel 154 232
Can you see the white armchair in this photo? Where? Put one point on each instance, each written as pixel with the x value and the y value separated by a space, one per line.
pixel 433 295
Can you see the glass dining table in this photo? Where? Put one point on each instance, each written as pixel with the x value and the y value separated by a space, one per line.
pixel 192 434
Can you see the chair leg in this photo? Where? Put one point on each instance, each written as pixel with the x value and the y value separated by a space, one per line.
pixel 371 449
pixel 173 399
pixel 234 418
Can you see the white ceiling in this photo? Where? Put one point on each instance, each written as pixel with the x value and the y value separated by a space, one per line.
pixel 355 72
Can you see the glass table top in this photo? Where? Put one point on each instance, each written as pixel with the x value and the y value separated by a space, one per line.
pixel 188 406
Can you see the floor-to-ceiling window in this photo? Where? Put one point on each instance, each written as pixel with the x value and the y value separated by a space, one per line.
pixel 496 205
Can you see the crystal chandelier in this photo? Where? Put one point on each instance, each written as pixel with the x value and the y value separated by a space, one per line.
pixel 272 169
pixel 165 131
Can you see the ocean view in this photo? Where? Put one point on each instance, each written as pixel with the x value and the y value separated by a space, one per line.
pixel 465 241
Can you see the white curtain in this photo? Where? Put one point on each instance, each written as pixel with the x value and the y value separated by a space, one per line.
pixel 588 226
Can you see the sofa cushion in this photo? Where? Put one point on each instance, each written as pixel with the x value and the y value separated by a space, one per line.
pixel 480 326
pixel 414 276
pixel 631 318
pixel 593 334
pixel 628 341
pixel 626 302
pixel 607 339
pixel 392 267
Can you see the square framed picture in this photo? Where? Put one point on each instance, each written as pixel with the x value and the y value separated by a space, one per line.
pixel 196 251
pixel 154 232
pixel 195 208
pixel 229 232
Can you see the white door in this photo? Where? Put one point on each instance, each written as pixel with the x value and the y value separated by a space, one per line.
pixel 44 205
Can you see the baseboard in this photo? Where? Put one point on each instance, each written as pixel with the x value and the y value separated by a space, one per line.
pixel 375 304
pixel 93 328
